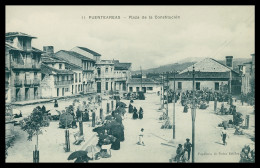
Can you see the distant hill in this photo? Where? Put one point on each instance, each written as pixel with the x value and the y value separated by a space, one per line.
pixel 185 63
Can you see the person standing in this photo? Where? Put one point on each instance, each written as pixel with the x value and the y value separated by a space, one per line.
pixel 224 136
pixel 179 153
pixel 56 103
pixel 141 112
pixel 187 147
pixel 141 137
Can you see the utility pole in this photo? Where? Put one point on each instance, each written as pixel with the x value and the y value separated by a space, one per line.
pixel 174 97
pixel 163 91
pixel 167 90
pixel 141 79
pixel 193 114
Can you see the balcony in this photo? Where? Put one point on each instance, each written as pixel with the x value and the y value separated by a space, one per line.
pixel 120 78
pixel 36 82
pixel 63 82
pixel 28 83
pixel 26 65
pixel 17 83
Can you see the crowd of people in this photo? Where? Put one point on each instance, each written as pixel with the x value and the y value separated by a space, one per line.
pixel 136 114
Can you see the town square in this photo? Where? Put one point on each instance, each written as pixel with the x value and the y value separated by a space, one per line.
pixel 112 91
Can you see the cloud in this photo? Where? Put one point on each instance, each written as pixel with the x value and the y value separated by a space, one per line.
pixel 201 31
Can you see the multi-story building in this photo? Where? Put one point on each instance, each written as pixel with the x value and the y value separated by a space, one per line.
pixel 105 76
pixel 56 81
pixel 84 77
pixel 122 75
pixel 247 72
pixel 25 65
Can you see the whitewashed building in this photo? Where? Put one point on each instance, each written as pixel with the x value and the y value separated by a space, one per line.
pixel 148 85
pixel 247 72
pixel 209 74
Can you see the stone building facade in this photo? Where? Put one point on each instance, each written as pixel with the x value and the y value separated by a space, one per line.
pixel 24 66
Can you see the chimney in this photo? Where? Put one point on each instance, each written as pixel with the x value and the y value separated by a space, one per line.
pixel 229 61
pixel 48 49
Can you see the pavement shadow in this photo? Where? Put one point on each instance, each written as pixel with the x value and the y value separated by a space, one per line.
pixel 219 143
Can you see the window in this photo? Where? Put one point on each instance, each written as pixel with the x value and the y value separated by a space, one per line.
pixel 137 89
pixel 106 85
pixel 197 85
pixel 79 77
pixel 60 66
pixel 216 85
pixel 76 77
pixel 179 85
pixel 63 78
pixel 150 88
pixel 17 74
pixel 130 89
pixel 52 65
pixel 78 87
pixel 66 89
pixel 35 74
pixel 98 71
pixel 106 70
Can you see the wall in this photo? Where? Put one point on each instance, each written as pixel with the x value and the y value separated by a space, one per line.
pixel 246 87
pixel 156 88
pixel 187 85
pixel 47 87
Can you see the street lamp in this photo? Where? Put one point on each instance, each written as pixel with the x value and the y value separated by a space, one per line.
pixel 174 97
pixel 193 114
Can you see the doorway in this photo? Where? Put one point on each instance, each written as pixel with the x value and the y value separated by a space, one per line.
pixel 62 91
pixel 35 93
pixel 27 93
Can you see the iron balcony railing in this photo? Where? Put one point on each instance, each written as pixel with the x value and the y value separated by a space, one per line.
pixel 28 82
pixel 63 82
pixel 26 65
pixel 36 82
pixel 17 82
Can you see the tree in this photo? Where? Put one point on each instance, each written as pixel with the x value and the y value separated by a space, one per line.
pixel 33 123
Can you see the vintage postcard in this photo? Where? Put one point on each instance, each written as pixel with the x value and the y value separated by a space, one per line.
pixel 92 84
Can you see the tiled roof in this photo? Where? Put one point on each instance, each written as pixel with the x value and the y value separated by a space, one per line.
pixel 49 59
pixel 144 81
pixel 89 51
pixel 36 50
pixel 77 55
pixel 45 69
pixel 200 75
pixel 11 47
pixel 15 34
pixel 224 65
pixel 121 66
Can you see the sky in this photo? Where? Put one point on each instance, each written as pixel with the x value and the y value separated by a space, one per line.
pixel 196 31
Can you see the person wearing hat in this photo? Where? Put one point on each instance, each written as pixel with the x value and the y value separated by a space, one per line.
pixel 179 153
pixel 187 147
